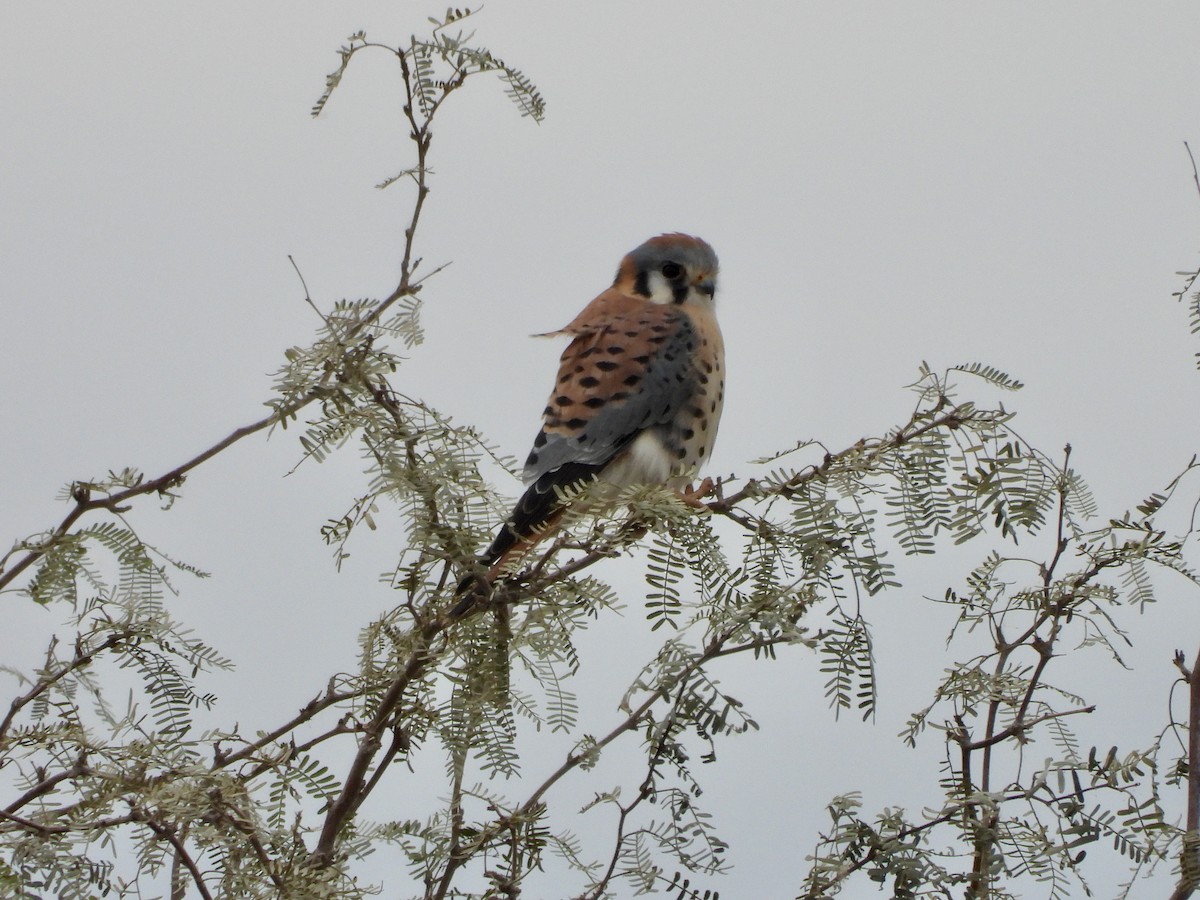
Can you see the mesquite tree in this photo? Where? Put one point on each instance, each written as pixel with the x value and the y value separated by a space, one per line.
pixel 124 798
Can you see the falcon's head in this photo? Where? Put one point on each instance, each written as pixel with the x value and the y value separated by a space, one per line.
pixel 670 268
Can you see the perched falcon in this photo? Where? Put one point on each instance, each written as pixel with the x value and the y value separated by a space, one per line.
pixel 639 390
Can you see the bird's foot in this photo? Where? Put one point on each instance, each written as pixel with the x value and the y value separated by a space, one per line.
pixel 694 496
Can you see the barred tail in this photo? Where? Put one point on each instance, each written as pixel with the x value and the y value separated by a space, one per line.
pixel 533 518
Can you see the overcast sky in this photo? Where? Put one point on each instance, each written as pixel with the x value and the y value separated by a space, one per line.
pixel 884 184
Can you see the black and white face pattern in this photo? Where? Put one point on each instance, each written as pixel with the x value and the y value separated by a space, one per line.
pixel 675 269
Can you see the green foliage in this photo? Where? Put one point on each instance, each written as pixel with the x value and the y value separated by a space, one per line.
pixel 126 799
pixel 458 60
pixel 846 658
pixel 1040 826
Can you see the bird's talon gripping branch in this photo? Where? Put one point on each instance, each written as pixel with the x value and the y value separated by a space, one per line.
pixel 694 496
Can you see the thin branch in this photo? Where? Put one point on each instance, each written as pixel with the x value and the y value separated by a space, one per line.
pixel 1192 159
pixel 866 450
pixel 43 684
pixel 353 791
pixel 597 890
pixel 181 852
pixel 1192 276
pixel 30 825
pixel 454 857
pixel 307 296
pixel 645 792
pixel 85 503
pixel 48 784
pixel 399 742
pixel 221 759
pixel 1190 853
pixel 1022 725
pixel 716 647
pixel 94 825
pixel 264 858
pixel 1061 541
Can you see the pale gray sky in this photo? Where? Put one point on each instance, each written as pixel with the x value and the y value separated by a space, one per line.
pixel 884 184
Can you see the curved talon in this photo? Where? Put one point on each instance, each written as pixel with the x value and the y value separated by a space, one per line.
pixel 694 496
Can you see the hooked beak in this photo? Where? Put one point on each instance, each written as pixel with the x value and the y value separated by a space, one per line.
pixel 707 287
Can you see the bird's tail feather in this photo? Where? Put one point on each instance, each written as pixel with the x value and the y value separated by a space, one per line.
pixel 534 517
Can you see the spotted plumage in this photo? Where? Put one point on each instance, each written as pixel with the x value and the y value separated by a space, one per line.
pixel 639 390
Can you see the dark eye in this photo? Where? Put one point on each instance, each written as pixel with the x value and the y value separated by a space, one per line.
pixel 671 270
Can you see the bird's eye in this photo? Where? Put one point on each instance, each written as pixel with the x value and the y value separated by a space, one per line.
pixel 671 270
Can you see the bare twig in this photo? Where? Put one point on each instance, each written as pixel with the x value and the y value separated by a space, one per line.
pixel 1192 276
pixel 1190 853
pixel 85 503
pixel 1195 174
pixel 221 759
pixel 307 296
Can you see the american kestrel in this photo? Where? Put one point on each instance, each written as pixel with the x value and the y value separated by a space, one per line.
pixel 639 391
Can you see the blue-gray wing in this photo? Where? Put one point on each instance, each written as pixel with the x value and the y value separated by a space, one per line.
pixel 631 372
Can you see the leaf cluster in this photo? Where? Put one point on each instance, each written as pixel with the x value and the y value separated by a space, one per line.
pixel 120 798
